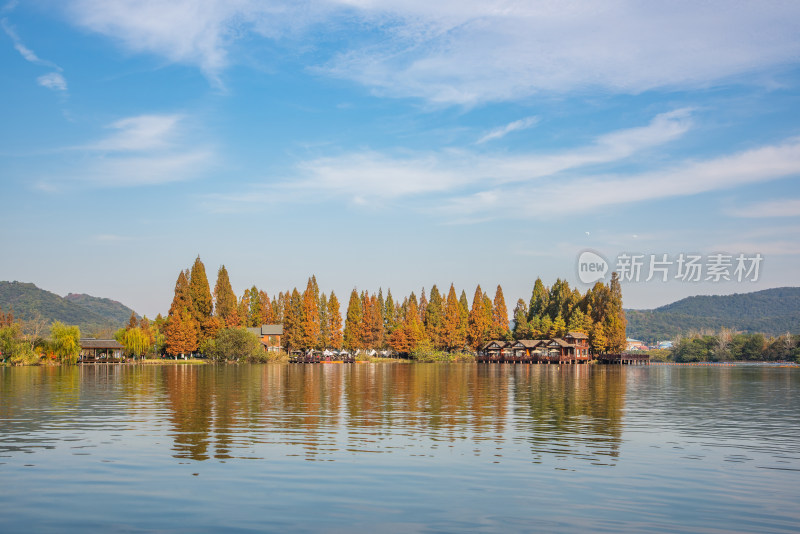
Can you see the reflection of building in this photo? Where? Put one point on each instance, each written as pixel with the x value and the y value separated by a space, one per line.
pixel 100 350
pixel 270 336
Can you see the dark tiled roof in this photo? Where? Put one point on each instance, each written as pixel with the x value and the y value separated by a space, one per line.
pixel 577 335
pixel 530 343
pixel 100 344
pixel 271 329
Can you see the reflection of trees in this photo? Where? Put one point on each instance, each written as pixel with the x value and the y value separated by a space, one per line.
pixel 318 410
pixel 189 392
pixel 571 410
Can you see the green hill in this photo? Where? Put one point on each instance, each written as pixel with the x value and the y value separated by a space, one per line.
pixel 771 311
pixel 110 309
pixel 91 314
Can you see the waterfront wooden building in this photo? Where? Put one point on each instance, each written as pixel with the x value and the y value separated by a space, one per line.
pixel 100 351
pixel 573 348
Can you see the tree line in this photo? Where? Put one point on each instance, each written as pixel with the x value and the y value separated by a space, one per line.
pixel 435 320
pixel 726 345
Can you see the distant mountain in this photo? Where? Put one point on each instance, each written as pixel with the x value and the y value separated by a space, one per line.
pixel 91 314
pixel 110 309
pixel 771 311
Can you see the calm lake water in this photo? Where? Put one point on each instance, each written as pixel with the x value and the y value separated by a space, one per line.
pixel 400 448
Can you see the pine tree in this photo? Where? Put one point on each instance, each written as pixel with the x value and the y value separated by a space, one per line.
pixel 423 306
pixel 201 293
pixel 578 322
pixel 335 320
pixel 310 325
pixel 480 323
pixel 181 333
pixel 182 298
pixel 617 323
pixel 224 296
pixel 292 320
pixel 412 325
pixel 559 327
pixel 389 313
pixel 521 329
pixel 132 322
pixel 434 319
pixel 254 313
pixel 539 300
pixel 598 339
pixel 265 308
pixel 324 323
pixel 352 323
pixel 500 316
pixel 454 329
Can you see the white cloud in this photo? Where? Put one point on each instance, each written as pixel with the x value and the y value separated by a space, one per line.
pixel 144 132
pixel 501 132
pixel 788 207
pixel 472 51
pixel 142 150
pixel 370 176
pixel 54 81
pixel 726 172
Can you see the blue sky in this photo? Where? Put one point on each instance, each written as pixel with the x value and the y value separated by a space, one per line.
pixel 395 144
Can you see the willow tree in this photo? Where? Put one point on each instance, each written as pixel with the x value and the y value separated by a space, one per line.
pixel 136 342
pixel 66 342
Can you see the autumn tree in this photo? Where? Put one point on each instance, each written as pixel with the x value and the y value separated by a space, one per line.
pixel 616 323
pixel 293 320
pixel 480 321
pixel 352 323
pixel 455 332
pixel 202 302
pixel 434 319
pixel 182 298
pixel 224 297
pixel 335 321
pixel 181 334
pixel 500 316
pixel 309 321
pixel 324 323
pixel 265 311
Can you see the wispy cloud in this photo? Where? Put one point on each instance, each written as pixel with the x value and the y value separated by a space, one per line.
pixel 143 132
pixel 142 150
pixel 501 132
pixel 369 176
pixel 54 80
pixel 472 51
pixel 726 172
pixel 788 207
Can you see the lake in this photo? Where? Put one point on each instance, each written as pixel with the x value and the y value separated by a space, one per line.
pixel 399 448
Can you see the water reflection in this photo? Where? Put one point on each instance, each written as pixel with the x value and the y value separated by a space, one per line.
pixel 319 411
